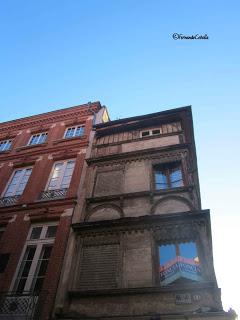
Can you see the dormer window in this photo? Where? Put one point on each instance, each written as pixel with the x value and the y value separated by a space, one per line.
pixel 37 138
pixel 77 131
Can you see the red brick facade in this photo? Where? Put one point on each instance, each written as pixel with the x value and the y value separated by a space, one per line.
pixel 29 210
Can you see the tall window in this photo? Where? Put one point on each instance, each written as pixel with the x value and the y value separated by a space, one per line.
pixel 18 182
pixel 61 175
pixel 37 138
pixel 168 176
pixel 177 261
pixel 34 263
pixel 74 132
pixel 5 145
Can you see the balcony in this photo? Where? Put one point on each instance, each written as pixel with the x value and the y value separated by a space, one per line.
pixel 24 306
pixel 9 201
pixel 53 194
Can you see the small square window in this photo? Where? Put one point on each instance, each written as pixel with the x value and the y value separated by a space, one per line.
pixel 145 133
pixel 5 145
pixel 156 131
pixel 38 138
pixel 74 132
pixel 168 176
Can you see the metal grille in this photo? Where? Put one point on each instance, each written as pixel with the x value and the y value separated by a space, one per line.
pixel 8 201
pixel 24 306
pixel 53 194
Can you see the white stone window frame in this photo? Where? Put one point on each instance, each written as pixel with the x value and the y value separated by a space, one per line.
pixel 39 135
pixel 39 243
pixel 61 176
pixel 75 128
pixel 17 185
pixel 6 145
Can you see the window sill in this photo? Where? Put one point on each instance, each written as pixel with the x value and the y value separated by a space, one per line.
pixel 69 139
pixel 31 146
pixel 173 190
pixel 5 151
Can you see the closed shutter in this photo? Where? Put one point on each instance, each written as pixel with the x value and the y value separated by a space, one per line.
pixel 99 267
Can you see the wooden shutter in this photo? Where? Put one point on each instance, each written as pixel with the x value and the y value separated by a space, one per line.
pixel 99 266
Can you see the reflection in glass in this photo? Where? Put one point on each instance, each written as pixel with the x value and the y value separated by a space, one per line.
pixel 179 261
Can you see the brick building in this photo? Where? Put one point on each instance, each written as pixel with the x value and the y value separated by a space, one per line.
pixel 42 161
pixel 140 244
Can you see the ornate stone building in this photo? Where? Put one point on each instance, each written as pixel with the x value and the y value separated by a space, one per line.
pixel 42 160
pixel 140 245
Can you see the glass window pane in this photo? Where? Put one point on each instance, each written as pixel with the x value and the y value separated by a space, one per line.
pixel 176 177
pixel 42 138
pixel 51 231
pixel 36 232
pixel 167 253
pixel 189 250
pixel 69 133
pixel 79 131
pixel 160 180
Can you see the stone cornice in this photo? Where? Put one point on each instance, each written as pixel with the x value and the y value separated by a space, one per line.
pixel 152 153
pixel 145 290
pixel 51 117
pixel 38 205
pixel 147 222
pixel 139 194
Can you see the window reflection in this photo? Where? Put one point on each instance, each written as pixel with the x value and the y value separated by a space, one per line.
pixel 179 261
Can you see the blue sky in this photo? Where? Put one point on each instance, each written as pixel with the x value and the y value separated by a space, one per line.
pixel 57 54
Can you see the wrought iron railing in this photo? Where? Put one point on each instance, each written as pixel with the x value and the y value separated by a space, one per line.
pixel 53 194
pixel 24 306
pixel 8 201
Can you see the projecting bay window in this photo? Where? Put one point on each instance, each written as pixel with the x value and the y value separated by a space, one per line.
pixel 37 138
pixel 33 266
pixel 168 176
pixel 77 131
pixel 15 186
pixel 59 180
pixel 5 145
pixel 177 262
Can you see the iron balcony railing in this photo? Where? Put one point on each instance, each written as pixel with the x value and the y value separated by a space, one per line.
pixel 53 194
pixel 21 306
pixel 8 201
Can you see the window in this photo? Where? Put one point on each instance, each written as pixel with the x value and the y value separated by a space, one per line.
pixel 61 175
pixel 74 132
pixel 4 257
pixel 163 129
pixel 37 138
pixel 18 182
pixel 168 176
pixel 177 261
pixel 34 263
pixel 5 145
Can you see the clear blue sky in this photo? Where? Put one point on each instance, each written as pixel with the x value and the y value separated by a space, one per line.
pixel 56 54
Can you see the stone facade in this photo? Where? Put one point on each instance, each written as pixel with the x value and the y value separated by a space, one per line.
pixel 34 216
pixel 140 199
